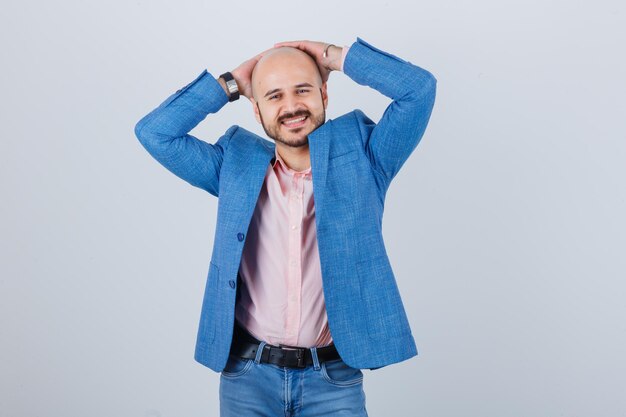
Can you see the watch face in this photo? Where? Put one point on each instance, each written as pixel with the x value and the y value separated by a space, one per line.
pixel 232 86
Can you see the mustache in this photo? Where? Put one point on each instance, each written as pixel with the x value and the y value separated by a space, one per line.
pixel 292 115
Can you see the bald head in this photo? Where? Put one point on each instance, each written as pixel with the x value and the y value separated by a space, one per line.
pixel 280 65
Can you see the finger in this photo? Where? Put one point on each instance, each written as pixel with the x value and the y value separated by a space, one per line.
pixel 296 44
pixel 284 42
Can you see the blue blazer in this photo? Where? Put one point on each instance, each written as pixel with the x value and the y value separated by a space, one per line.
pixel 353 161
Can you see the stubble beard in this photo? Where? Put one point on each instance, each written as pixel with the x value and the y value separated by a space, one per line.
pixel 297 142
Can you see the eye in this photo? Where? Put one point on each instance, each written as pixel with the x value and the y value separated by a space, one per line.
pixel 271 97
pixel 304 90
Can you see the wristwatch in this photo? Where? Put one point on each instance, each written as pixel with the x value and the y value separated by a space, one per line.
pixel 231 84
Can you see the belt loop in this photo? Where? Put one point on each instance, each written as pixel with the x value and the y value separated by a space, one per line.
pixel 259 352
pixel 316 362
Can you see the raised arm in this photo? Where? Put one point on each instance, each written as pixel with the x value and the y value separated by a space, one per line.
pixel 391 141
pixel 164 131
pixel 388 143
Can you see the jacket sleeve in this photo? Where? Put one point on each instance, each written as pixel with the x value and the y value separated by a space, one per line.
pixel 164 133
pixel 389 143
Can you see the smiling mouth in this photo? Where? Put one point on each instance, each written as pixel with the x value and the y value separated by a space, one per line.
pixel 296 122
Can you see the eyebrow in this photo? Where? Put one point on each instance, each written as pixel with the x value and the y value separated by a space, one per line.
pixel 296 86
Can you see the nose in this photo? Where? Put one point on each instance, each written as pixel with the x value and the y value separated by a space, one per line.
pixel 293 103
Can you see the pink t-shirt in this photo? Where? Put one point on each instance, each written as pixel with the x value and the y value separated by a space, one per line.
pixel 282 299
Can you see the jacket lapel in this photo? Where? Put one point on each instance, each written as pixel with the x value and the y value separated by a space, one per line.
pixel 318 147
pixel 255 158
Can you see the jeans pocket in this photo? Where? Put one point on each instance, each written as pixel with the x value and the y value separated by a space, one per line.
pixel 236 366
pixel 337 372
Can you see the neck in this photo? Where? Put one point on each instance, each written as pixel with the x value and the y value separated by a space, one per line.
pixel 297 159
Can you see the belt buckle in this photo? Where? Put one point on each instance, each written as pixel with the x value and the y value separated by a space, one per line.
pixel 299 354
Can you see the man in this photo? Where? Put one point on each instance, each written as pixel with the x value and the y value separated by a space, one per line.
pixel 300 295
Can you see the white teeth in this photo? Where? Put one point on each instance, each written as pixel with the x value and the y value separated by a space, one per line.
pixel 295 120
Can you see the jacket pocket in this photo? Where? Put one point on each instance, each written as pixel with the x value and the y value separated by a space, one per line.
pixel 343 159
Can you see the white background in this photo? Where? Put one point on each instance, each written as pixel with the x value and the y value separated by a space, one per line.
pixel 503 227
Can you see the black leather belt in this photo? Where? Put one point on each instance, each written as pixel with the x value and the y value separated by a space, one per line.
pixel 245 346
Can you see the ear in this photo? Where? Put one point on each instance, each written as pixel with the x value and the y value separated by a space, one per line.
pixel 255 108
pixel 325 94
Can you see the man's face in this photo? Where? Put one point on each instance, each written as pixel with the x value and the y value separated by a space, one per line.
pixel 287 87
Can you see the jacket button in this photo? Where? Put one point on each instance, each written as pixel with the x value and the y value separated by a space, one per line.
pixel 240 236
pixel 231 283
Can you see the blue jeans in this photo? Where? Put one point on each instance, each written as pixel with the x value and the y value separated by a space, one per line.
pixel 249 388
